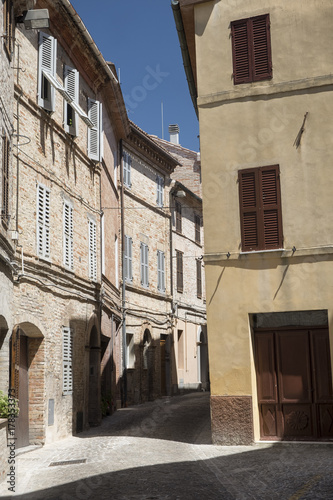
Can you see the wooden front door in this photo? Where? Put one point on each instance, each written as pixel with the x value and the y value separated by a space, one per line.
pixel 20 384
pixel 294 384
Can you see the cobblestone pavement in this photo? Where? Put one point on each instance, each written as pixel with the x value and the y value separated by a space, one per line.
pixel 162 451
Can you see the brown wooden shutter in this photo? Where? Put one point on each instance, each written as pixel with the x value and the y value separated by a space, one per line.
pixel 262 59
pixel 249 209
pixel 199 279
pixel 260 208
pixel 178 217
pixel 179 271
pixel 240 51
pixel 197 222
pixel 15 362
pixel 251 49
pixel 5 180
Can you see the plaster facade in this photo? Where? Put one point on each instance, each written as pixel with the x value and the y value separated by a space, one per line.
pixel 285 121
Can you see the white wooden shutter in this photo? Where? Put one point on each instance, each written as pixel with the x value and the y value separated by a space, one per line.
pixel 43 221
pixel 101 135
pixel 144 264
pixel 71 80
pixel 67 356
pixel 128 258
pixel 94 134
pixel 159 188
pixel 47 61
pixel 127 162
pixel 92 250
pixel 160 271
pixel 68 235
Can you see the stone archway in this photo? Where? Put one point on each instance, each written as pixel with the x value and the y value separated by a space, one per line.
pixel 27 382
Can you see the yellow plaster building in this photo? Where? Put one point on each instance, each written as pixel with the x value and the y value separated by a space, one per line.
pixel 260 80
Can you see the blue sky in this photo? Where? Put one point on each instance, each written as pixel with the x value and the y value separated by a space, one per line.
pixel 140 38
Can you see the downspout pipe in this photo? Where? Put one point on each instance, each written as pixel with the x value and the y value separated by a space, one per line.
pixel 123 298
pixel 185 53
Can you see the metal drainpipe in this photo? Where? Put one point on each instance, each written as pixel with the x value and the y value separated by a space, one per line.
pixel 124 381
pixel 17 138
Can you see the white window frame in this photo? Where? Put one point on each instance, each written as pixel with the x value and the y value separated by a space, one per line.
pixel 43 221
pixel 144 264
pixel 130 353
pixel 92 245
pixel 68 232
pixel 47 65
pixel 160 271
pixel 128 273
pixel 159 190
pixel 67 361
pixel 72 83
pixel 95 133
pixel 127 165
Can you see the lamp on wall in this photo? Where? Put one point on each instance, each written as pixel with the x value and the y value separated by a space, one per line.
pixel 35 19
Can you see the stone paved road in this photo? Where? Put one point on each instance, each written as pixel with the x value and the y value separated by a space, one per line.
pixel 162 451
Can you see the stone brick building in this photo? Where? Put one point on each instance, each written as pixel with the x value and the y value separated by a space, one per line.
pixel 69 118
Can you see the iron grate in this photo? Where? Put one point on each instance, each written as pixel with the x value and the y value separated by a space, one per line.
pixel 68 462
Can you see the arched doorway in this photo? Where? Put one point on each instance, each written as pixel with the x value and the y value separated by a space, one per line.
pixel 94 407
pixel 202 354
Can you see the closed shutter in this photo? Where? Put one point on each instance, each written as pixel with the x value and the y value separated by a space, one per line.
pixel 197 223
pixel 160 271
pixel 43 221
pixel 199 279
pixel 159 188
pixel 71 80
pixel 251 49
pixel 8 34
pixel 67 376
pixel 260 208
pixel 5 179
pixel 178 217
pixel 47 55
pixel 127 164
pixel 92 250
pixel 144 264
pixel 68 235
pixel 94 134
pixel 179 257
pixel 128 258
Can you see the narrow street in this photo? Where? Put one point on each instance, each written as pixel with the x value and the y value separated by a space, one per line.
pixel 161 450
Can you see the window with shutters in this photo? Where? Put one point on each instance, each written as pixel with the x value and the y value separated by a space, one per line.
pixel 144 264
pixel 127 165
pixel 95 133
pixel 180 279
pixel 197 228
pixel 43 221
pixel 47 62
pixel 160 271
pixel 199 278
pixel 128 259
pixel 92 250
pixel 159 190
pixel 5 180
pixel 67 361
pixel 8 27
pixel 68 235
pixel 260 208
pixel 178 208
pixel 71 81
pixel 251 49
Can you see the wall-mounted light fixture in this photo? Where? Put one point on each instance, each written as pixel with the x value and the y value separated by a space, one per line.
pixel 180 194
pixel 35 19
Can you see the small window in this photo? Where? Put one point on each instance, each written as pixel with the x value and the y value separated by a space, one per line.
pixel 128 259
pixel 71 81
pixel 47 56
pixel 144 264
pixel 67 357
pixel 130 350
pixel 179 258
pixel 68 235
pixel 43 221
pixel 95 133
pixel 127 164
pixel 197 225
pixel 159 190
pixel 199 278
pixel 178 217
pixel 160 271
pixel 8 27
pixel 260 208
pixel 251 49
pixel 5 180
pixel 92 250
